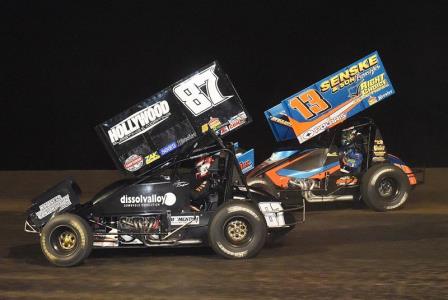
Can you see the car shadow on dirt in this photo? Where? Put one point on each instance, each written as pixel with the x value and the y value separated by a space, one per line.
pixel 32 253
pixel 317 241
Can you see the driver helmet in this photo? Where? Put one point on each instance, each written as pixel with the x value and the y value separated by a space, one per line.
pixel 202 167
pixel 348 137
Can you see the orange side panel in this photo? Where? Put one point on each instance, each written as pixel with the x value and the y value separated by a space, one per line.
pixel 321 175
pixel 281 181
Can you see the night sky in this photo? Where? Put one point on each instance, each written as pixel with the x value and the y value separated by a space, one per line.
pixel 67 66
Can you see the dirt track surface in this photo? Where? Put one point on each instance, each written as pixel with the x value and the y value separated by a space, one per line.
pixel 341 252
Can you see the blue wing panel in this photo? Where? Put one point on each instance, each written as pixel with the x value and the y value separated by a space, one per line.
pixel 331 100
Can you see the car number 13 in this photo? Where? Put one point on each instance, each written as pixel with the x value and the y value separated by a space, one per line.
pixel 200 92
pixel 309 104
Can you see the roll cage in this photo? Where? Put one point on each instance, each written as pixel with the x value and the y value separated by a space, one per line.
pixel 208 144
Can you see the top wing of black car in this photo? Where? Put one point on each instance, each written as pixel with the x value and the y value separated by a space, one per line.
pixel 331 100
pixel 152 131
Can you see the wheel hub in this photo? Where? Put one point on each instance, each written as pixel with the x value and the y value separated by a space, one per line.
pixel 386 188
pixel 67 240
pixel 237 230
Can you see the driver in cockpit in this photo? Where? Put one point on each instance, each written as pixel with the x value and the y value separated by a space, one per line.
pixel 350 152
pixel 201 186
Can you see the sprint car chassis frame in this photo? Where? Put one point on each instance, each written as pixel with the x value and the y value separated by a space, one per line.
pixel 234 188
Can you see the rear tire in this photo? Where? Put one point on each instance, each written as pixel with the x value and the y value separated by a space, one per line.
pixel 237 230
pixel 385 187
pixel 66 240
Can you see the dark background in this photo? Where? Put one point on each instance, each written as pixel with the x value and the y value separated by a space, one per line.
pixel 67 66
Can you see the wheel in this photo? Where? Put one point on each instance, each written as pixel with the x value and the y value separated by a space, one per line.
pixel 385 187
pixel 66 240
pixel 237 230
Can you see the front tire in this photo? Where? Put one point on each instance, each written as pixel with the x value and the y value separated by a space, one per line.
pixel 237 230
pixel 66 240
pixel 385 187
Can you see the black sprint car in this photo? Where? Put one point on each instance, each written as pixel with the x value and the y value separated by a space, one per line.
pixel 158 143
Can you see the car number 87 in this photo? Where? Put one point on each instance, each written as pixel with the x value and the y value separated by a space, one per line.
pixel 200 92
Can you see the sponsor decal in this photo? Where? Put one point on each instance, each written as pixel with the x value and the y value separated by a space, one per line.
pixel 273 214
pixel 220 129
pixel 244 165
pixel 379 150
pixel 214 123
pixel 139 123
pixel 346 180
pixel 57 203
pixel 369 72
pixel 237 120
pixel 169 199
pixel 322 125
pixel 183 140
pixel 224 130
pixel 152 157
pixel 349 75
pixel 168 148
pixel 372 100
pixel 204 127
pixel 235 123
pixel 280 121
pixel 182 220
pixel 181 184
pixel 133 163
pixel 373 85
pixel 385 95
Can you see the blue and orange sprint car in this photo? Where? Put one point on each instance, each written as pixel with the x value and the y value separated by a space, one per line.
pixel 338 159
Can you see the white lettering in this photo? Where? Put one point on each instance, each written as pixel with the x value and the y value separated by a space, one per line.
pixel 200 92
pixel 168 199
pixel 139 123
